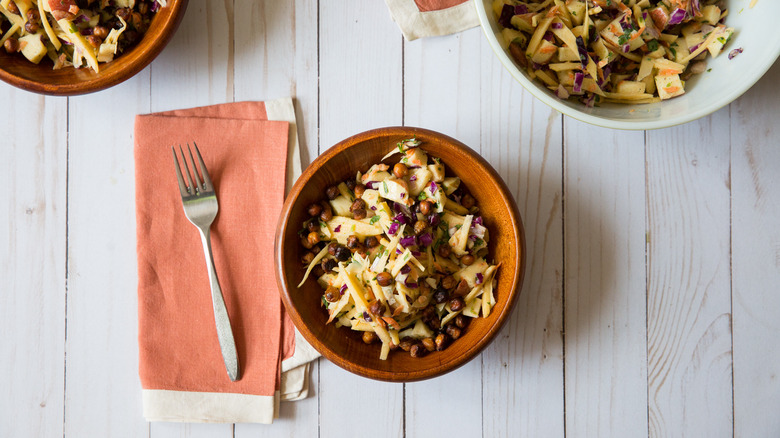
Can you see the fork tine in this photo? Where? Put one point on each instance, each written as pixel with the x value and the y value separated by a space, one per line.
pixel 198 179
pixel 182 186
pixel 206 179
pixel 191 188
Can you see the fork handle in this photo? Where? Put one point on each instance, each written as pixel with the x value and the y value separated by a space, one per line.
pixel 224 332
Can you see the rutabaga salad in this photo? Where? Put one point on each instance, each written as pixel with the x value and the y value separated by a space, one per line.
pixel 74 32
pixel 625 51
pixel 401 254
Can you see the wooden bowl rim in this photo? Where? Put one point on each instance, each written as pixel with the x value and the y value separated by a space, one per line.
pixel 442 367
pixel 139 56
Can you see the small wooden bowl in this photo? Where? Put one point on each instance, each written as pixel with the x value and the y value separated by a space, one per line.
pixel 343 346
pixel 16 70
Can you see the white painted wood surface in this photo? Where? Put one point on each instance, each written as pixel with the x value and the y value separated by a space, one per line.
pixel 651 300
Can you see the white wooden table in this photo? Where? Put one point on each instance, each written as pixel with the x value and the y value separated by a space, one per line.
pixel 651 299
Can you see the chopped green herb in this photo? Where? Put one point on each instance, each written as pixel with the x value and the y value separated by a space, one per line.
pixel 709 70
pixel 652 45
pixel 384 185
pixel 422 196
pixel 374 219
pixel 674 52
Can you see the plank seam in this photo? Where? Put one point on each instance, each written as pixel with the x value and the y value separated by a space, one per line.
pixel 647 288
pixel 563 266
pixel 731 276
pixel 67 267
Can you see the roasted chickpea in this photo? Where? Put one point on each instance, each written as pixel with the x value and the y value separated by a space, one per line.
pixel 359 214
pixel 361 249
pixel 307 257
pixel 332 247
pixel 124 13
pixel 406 344
pixel 359 190
pixel 11 44
pixel 429 344
pixel 417 350
pixel 369 337
pixel 467 259
pixel 426 207
pixel 12 8
pixel 400 170
pixel 467 201
pixel 327 212
pixel 461 321
pixel 377 308
pixel 314 238
pixel 420 227
pixel 31 27
pixel 456 304
pixel 351 184
pixel 463 288
pixel 449 282
pixel 358 204
pixel 328 265
pixel 444 250
pixel 441 341
pixel 371 241
pixel 452 331
pixel 332 294
pixel 384 279
pixel 343 254
pixel 305 242
pixel 353 241
pixel 313 225
pixel 332 192
pixel 314 209
pixel 440 296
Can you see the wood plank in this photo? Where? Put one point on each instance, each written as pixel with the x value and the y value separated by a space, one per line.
pixel 360 88
pixel 688 290
pixel 604 282
pixel 32 264
pixel 523 368
pixel 755 238
pixel 277 57
pixel 197 66
pixel 438 96
pixel 103 391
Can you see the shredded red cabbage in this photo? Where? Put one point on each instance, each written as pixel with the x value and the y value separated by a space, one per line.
pixel 735 52
pixel 393 229
pixel 557 25
pixel 337 229
pixel 426 239
pixel 410 285
pixel 434 187
pixel 578 78
pixel 479 278
pixel 434 220
pixel 677 17
pixel 406 269
pixel 408 241
pixel 343 289
pixel 413 178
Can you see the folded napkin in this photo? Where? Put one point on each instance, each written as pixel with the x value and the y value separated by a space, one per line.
pixel 425 18
pixel 251 152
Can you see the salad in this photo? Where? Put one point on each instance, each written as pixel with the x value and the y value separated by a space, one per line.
pixel 624 51
pixel 74 32
pixel 401 254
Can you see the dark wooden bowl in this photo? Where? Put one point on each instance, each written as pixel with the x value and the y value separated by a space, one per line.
pixel 16 70
pixel 343 346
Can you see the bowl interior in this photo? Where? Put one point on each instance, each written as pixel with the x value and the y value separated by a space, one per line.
pixel 344 346
pixel 725 81
pixel 18 71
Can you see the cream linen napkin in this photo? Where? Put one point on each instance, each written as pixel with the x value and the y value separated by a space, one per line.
pixel 426 18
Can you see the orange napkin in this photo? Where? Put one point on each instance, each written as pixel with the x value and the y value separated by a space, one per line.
pixel 425 18
pixel 180 363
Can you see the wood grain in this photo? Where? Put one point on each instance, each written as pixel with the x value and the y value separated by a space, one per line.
pixel 102 274
pixel 688 287
pixel 32 264
pixel 604 282
pixel 755 159
pixel 523 369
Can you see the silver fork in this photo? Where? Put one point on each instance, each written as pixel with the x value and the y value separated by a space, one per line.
pixel 200 207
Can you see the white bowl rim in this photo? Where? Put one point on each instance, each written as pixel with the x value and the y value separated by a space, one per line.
pixel 723 100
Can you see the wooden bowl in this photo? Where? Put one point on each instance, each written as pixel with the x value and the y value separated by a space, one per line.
pixel 16 70
pixel 343 346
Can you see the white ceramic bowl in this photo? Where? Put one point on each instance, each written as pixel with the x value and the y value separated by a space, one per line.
pixel 754 31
